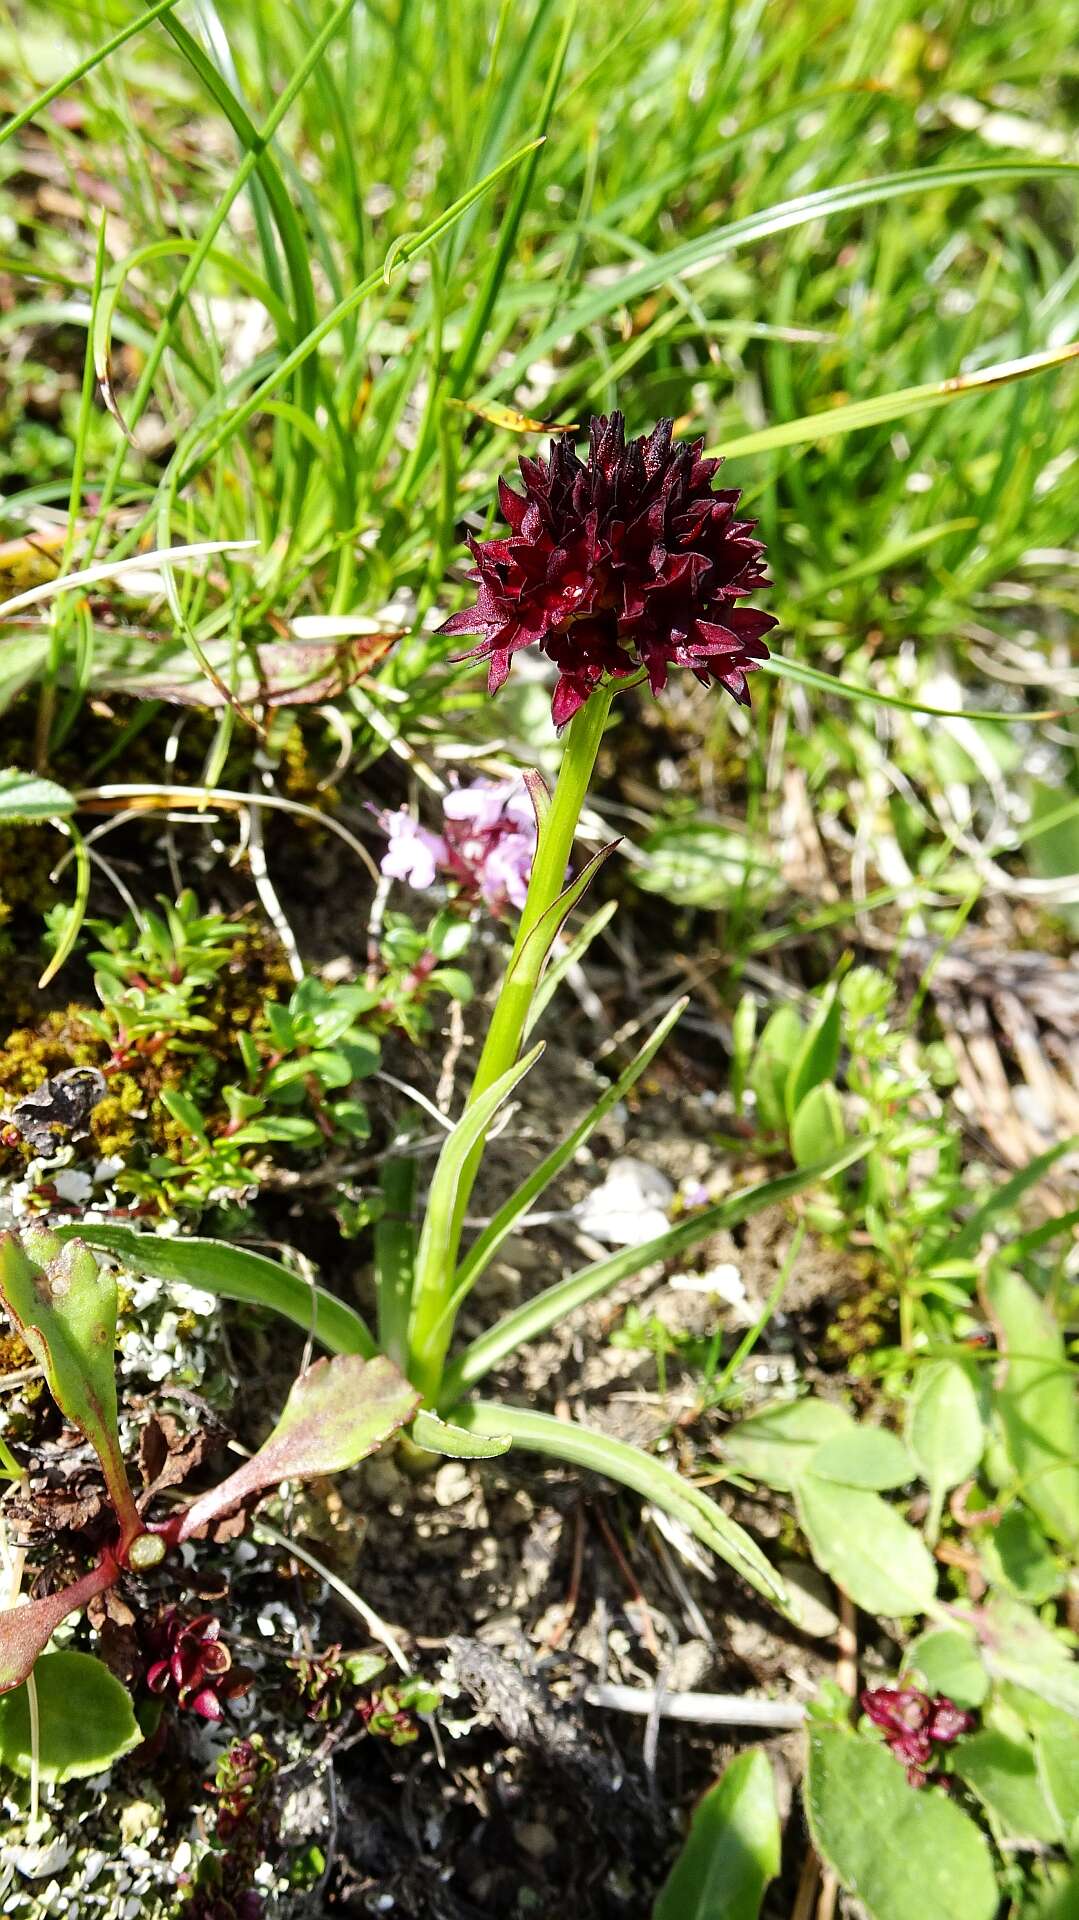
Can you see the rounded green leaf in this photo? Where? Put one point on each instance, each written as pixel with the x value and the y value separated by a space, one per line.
pixel 777 1445
pixel 865 1457
pixel 906 1853
pixel 86 1719
pixel 867 1547
pixel 947 1662
pixel 817 1128
pixel 1004 1775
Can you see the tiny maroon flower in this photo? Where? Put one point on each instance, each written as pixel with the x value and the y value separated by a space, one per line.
pixel 193 1665
pixel 914 1725
pixel 628 560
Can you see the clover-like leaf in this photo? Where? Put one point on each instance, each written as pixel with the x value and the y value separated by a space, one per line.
pixel 64 1306
pixel 337 1413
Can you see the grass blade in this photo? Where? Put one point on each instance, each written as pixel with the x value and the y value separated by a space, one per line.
pixel 882 408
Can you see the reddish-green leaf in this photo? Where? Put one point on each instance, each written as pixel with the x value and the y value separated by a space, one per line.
pixel 337 1413
pixel 64 1306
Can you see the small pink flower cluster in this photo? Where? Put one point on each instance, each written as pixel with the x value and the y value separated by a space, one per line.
pixel 487 844
pixel 913 1725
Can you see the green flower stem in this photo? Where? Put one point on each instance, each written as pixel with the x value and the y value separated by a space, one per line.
pixel 432 1328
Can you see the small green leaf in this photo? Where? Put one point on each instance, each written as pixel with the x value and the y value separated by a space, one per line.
pixel 1019 1647
pixel 949 1663
pixel 905 1853
pixel 1057 1746
pixel 817 1128
pixel 776 1445
pixel 817 1057
pixel 944 1430
pixel 1016 1554
pixel 1004 1775
pixel 185 1113
pixel 768 1075
pixel 27 797
pixel 86 1719
pixel 1036 1403
pixel 865 1457
pixel 866 1547
pixel 732 1849
pixel 337 1413
pixel 64 1305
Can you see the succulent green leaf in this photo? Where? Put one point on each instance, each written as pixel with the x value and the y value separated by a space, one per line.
pixel 337 1413
pixel 817 1057
pixel 772 1063
pixel 732 1849
pixel 906 1853
pixel 817 1128
pixel 86 1720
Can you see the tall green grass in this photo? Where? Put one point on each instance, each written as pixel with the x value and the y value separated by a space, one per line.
pixel 331 255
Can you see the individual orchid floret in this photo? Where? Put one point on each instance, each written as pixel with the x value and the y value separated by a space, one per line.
pixel 629 560
pixel 486 847
pixel 914 1726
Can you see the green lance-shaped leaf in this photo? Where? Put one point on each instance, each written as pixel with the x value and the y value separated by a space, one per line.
pixel 630 1467
pixel 337 1413
pixel 732 1849
pixel 817 1057
pixel 441 1436
pixel 27 797
pixel 1036 1403
pixel 64 1306
pixel 906 1853
pixel 234 1273
pixel 85 1720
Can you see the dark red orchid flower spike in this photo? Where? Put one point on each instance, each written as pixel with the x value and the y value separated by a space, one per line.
pixel 630 559
pixel 915 1726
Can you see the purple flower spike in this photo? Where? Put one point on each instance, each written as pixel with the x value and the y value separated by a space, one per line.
pixel 629 560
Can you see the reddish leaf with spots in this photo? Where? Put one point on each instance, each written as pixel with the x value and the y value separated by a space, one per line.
pixel 337 1413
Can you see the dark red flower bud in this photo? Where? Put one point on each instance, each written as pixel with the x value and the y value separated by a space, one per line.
pixel 192 1664
pixel 625 561
pixel 913 1725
